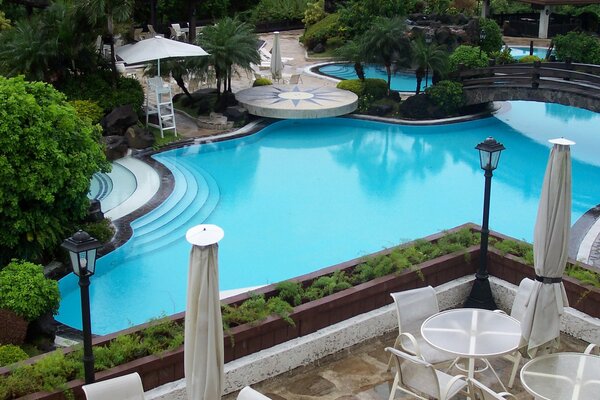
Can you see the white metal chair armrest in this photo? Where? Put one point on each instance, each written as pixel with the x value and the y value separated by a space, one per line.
pixel 248 393
pixel 591 347
pixel 500 312
pixel 451 383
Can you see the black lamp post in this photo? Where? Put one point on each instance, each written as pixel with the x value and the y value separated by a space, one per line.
pixel 481 293
pixel 482 35
pixel 82 250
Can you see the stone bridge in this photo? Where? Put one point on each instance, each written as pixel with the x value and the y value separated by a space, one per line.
pixel 576 85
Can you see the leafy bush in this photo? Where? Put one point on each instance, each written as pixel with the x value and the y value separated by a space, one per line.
pixel 48 155
pixel 493 35
pixel 470 56
pixel 377 88
pixel 289 291
pixel 255 309
pixel 315 11
pixel 357 16
pixel 353 85
pixel 321 31
pixel 88 109
pixel 529 59
pixel 278 10
pixel 101 230
pixel 10 354
pixel 447 95
pixel 25 290
pixel 97 87
pixel 262 82
pixel 577 46
pixel 503 56
pixel 519 249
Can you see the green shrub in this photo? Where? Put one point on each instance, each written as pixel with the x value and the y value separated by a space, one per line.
pixel 579 47
pixel 262 82
pixel 321 31
pixel 503 56
pixel 327 285
pixel 353 85
pixel 529 59
pixel 101 230
pixel 278 10
pixel 470 56
pixel 97 87
pixel 25 290
pixel 334 42
pixel 377 88
pixel 10 354
pixel 447 95
pixel 289 291
pixel 493 35
pixel 88 109
pixel 315 11
pixel 518 249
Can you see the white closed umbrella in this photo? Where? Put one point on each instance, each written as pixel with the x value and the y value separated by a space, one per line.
pixel 276 62
pixel 157 48
pixel 540 326
pixel 203 346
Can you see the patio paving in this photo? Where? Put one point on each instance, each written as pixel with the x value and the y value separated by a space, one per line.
pixel 360 373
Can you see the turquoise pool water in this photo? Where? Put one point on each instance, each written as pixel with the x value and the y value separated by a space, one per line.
pixel 303 195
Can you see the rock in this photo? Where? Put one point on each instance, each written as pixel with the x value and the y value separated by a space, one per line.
pixel 319 48
pixel 139 138
pixel 380 109
pixel 95 213
pixel 236 113
pixel 118 120
pixel 55 270
pixel 42 331
pixel 115 147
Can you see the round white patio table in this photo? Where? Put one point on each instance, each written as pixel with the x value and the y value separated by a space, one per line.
pixel 473 333
pixel 563 376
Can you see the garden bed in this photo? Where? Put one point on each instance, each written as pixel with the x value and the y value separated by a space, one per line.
pixel 248 338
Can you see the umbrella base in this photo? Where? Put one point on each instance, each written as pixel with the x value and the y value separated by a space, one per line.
pixel 481 295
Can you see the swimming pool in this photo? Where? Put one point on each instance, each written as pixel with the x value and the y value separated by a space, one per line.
pixel 303 195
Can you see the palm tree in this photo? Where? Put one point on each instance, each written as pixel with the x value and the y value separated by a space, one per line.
pixel 425 57
pixel 353 51
pixel 110 11
pixel 385 42
pixel 229 42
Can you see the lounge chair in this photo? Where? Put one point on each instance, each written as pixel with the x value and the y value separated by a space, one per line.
pixel 126 387
pixel 179 34
pixel 152 32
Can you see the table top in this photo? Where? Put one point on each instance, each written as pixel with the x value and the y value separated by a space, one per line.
pixel 472 332
pixel 563 376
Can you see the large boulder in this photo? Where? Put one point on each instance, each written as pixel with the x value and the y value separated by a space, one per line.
pixel 139 138
pixel 115 147
pixel 236 113
pixel 95 213
pixel 118 120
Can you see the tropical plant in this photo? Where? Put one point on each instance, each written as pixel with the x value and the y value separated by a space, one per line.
pixel 229 42
pixel 47 157
pixel 320 31
pixel 278 10
pixel 107 12
pixel 26 291
pixel 469 56
pixel 386 43
pixel 10 354
pixel 88 109
pixel 262 82
pixel 447 95
pixel 427 57
pixel 528 59
pixel 503 56
pixel 493 35
pixel 578 47
pixel 353 51
pixel 358 16
pixel 315 11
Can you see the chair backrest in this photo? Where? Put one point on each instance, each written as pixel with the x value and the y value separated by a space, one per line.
pixel 413 307
pixel 137 34
pixel 126 387
pixel 151 30
pixel 521 299
pixel 248 393
pixel 294 79
pixel 416 373
pixel 479 391
pixel 177 27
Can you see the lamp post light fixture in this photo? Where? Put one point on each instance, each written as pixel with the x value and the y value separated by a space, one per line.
pixel 481 293
pixel 482 36
pixel 82 251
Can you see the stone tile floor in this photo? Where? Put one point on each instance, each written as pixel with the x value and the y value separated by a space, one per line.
pixel 359 373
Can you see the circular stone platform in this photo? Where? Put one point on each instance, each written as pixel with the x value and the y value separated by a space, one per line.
pixel 297 101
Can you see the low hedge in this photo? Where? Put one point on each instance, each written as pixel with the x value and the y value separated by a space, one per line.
pixel 324 29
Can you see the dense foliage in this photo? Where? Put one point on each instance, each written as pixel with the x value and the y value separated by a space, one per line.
pixel 10 354
pixel 579 47
pixel 262 82
pixel 25 290
pixel 358 16
pixel 447 95
pixel 503 56
pixel 315 11
pixel 471 57
pixel 493 35
pixel 279 10
pixel 529 59
pixel 321 31
pixel 88 109
pixel 48 155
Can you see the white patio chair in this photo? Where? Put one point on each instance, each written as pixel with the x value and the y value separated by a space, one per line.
pixel 248 393
pixel 419 378
pixel 126 387
pixel 295 79
pixel 517 311
pixel 478 391
pixel 138 34
pixel 413 307
pixel 178 32
pixel 152 32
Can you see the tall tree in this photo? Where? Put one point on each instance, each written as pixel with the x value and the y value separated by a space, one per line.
pixel 427 57
pixel 353 51
pixel 107 12
pixel 385 43
pixel 229 42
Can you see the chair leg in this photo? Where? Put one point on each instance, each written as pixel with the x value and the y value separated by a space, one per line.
pixel 513 373
pixel 396 344
pixel 394 386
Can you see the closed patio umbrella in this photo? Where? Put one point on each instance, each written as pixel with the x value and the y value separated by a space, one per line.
pixel 203 346
pixel 157 48
pixel 276 62
pixel 541 322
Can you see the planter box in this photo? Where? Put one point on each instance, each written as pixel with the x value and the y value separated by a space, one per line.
pixel 246 339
